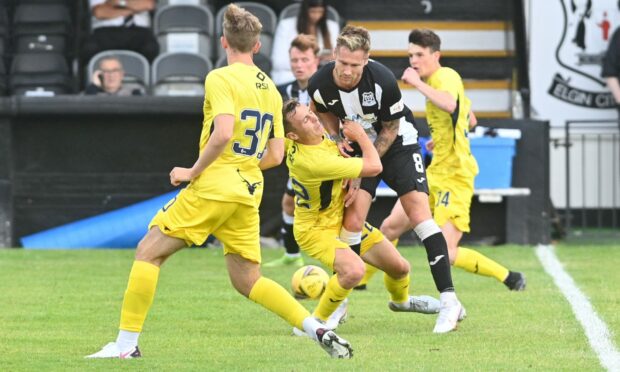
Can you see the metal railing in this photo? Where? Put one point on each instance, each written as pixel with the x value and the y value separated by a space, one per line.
pixel 592 150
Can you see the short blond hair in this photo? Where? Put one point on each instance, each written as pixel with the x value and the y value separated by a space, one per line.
pixel 354 38
pixel 241 28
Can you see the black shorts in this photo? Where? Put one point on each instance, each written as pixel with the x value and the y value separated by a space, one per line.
pixel 403 171
pixel 289 188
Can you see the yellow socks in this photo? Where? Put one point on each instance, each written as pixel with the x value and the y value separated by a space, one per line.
pixel 139 295
pixel 477 263
pixel 276 299
pixel 331 299
pixel 398 288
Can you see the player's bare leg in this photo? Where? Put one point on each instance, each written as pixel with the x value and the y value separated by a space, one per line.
pixel 386 258
pixel 477 263
pixel 245 276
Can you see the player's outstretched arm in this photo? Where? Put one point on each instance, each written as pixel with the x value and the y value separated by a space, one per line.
pixel 371 160
pixel 439 98
pixel 274 153
pixel 222 133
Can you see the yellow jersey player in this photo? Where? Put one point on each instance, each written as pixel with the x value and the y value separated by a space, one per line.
pixel 318 172
pixel 242 134
pixel 304 58
pixel 453 168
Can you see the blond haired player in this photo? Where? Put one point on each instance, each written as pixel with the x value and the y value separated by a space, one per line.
pixel 242 134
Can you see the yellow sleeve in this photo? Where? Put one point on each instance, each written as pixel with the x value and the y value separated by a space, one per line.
pixel 336 167
pixel 448 81
pixel 218 92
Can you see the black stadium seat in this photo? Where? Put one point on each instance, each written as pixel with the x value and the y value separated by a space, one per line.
pixel 267 17
pixel 185 28
pixel 46 74
pixel 41 28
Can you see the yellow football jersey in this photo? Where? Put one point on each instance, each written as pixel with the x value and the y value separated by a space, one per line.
pixel 317 173
pixel 249 94
pixel 449 131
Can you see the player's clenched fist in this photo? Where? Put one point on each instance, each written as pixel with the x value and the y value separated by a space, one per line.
pixel 179 174
pixel 352 130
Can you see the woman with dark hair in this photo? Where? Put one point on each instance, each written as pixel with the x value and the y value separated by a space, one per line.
pixel 311 20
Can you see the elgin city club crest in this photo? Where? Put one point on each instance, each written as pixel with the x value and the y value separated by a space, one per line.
pixel 588 25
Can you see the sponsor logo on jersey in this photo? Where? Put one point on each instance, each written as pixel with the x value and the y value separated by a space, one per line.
pixel 332 102
pixel 397 107
pixel 368 99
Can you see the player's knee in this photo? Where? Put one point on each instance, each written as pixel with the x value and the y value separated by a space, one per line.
pixel 353 222
pixel 146 253
pixel 351 274
pixel 388 230
pixel 402 268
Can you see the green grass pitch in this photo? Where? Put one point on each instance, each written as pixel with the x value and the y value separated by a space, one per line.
pixel 57 306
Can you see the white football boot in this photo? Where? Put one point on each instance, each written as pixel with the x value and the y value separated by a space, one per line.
pixel 450 312
pixel 417 304
pixel 111 350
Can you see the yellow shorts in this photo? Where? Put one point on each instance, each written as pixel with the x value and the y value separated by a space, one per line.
pixel 450 199
pixel 321 243
pixel 192 218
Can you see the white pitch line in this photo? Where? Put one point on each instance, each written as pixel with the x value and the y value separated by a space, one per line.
pixel 596 330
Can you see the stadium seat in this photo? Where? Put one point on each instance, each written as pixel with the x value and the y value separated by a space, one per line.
pixel 40 74
pixel 266 16
pixel 41 28
pixel 185 28
pixel 263 62
pixel 135 65
pixel 293 9
pixel 180 74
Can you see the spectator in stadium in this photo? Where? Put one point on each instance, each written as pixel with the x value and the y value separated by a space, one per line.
pixel 108 80
pixel 611 67
pixel 121 24
pixel 304 59
pixel 453 168
pixel 311 20
pixel 223 196
pixel 319 173
pixel 354 87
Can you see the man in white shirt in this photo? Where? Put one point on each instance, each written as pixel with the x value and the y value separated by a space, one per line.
pixel 121 24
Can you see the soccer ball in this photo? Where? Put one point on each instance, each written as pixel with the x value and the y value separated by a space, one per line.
pixel 309 282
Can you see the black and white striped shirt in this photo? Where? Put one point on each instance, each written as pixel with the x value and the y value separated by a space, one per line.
pixel 374 100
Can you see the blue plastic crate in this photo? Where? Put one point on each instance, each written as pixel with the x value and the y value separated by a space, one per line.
pixel 494 156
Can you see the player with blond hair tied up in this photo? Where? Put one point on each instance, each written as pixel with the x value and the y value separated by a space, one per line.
pixel 356 88
pixel 242 134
